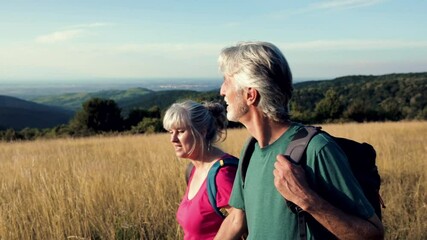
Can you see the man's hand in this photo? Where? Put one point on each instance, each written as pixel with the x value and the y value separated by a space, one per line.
pixel 290 181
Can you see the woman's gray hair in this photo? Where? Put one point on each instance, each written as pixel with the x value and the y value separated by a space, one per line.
pixel 260 65
pixel 209 117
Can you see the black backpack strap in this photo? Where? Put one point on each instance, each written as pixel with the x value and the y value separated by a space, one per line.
pixel 295 153
pixel 296 148
pixel 247 153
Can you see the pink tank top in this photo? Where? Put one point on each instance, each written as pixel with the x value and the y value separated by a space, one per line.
pixel 196 216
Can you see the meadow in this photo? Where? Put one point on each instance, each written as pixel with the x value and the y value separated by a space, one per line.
pixel 129 187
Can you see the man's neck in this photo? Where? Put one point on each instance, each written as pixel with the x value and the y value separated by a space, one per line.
pixel 264 130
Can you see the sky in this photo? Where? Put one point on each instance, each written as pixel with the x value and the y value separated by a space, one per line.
pixel 77 40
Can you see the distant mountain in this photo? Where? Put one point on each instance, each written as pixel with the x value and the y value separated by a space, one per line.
pixel 348 81
pixel 164 99
pixel 388 97
pixel 18 114
pixel 129 99
pixel 73 101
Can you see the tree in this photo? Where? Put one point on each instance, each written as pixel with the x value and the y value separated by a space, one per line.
pixel 97 115
pixel 360 111
pixel 330 107
pixel 298 114
pixel 29 133
pixel 148 125
pixel 137 115
pixel 154 112
pixel 10 135
pixel 391 109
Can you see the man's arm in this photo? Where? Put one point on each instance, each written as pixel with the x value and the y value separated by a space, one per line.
pixel 233 226
pixel 290 181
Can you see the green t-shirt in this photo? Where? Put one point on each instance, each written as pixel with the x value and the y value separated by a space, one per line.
pixel 328 173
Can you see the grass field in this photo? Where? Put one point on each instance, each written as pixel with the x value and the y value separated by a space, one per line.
pixel 129 187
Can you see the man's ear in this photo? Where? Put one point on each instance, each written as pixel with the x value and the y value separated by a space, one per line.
pixel 252 96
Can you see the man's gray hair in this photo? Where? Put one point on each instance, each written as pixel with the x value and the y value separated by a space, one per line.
pixel 262 66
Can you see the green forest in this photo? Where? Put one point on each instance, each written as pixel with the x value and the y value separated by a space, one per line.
pixel 390 97
pixel 362 98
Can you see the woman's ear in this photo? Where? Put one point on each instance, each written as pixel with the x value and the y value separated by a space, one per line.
pixel 252 96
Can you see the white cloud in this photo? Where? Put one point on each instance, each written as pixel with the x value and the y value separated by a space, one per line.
pixel 70 32
pixel 344 4
pixel 59 36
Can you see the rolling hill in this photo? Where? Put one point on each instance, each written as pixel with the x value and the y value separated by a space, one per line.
pixel 18 114
pixel 73 101
pixel 389 97
pixel 127 100
pixel 359 97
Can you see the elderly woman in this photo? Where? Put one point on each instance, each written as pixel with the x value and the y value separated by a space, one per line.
pixel 194 128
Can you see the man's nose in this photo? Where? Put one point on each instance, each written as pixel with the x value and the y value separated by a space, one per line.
pixel 222 90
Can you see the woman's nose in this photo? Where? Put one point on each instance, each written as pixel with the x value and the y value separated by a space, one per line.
pixel 174 138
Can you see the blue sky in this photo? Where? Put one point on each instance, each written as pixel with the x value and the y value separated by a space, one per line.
pixel 78 40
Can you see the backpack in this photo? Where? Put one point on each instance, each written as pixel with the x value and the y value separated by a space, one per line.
pixel 211 180
pixel 361 157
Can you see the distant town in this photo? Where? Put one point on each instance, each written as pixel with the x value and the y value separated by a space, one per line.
pixel 31 89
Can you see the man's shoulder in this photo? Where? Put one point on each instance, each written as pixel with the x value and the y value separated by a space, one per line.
pixel 323 142
pixel 321 139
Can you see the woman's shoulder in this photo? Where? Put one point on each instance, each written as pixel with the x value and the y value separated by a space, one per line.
pixel 227 166
pixel 228 156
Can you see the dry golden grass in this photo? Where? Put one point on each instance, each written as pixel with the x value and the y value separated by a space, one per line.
pixel 401 159
pixel 96 188
pixel 129 187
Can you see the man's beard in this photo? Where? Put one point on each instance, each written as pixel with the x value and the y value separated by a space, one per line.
pixel 236 111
